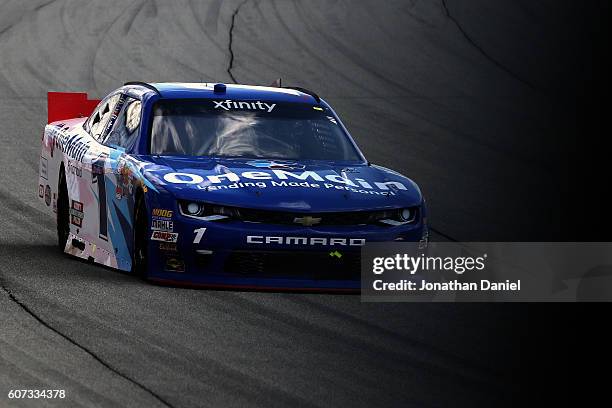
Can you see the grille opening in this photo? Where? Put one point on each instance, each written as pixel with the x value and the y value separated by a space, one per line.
pixel 302 264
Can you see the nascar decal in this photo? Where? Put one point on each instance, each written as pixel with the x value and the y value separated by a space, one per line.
pixel 284 178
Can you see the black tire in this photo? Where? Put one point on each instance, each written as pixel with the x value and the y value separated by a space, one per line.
pixel 140 238
pixel 63 212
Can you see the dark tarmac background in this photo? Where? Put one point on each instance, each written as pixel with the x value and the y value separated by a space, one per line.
pixel 479 102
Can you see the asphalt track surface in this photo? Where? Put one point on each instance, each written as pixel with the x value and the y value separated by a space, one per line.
pixel 432 89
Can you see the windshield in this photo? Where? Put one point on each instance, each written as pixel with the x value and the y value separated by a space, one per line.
pixel 252 129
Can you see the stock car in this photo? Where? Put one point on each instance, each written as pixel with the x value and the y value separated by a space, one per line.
pixel 219 185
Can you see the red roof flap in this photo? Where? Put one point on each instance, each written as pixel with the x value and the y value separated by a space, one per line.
pixel 69 105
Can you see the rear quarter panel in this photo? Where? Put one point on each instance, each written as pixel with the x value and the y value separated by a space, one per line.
pixel 101 192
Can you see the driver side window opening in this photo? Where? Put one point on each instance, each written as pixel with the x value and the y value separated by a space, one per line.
pixel 97 122
pixel 125 130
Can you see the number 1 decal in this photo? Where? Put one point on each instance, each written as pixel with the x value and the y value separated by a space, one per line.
pixel 97 177
pixel 199 234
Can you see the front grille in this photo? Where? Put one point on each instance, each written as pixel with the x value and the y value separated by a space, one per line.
pixel 380 217
pixel 296 264
pixel 326 218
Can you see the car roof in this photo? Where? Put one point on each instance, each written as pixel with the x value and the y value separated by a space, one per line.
pixel 184 90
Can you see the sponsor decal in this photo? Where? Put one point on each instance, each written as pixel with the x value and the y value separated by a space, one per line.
pixel 125 186
pixel 75 168
pixel 44 172
pixel 161 213
pixel 164 236
pixel 244 105
pixel 335 254
pixel 175 265
pixel 168 247
pixel 41 191
pixel 183 178
pixel 162 225
pixel 48 195
pixel 284 178
pixel 75 146
pixel 76 213
pixel 310 241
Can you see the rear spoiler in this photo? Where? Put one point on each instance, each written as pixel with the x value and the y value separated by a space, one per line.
pixel 69 105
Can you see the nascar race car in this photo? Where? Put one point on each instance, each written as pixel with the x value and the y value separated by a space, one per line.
pixel 219 185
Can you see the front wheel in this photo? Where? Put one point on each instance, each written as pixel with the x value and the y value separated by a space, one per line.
pixel 63 212
pixel 140 238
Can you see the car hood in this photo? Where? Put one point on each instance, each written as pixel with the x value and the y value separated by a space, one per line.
pixel 312 186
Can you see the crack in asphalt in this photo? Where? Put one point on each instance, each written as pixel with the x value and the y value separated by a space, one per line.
pixel 231 66
pixel 231 42
pixel 92 354
pixel 483 52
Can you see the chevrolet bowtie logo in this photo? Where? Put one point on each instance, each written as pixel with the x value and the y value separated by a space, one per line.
pixel 307 221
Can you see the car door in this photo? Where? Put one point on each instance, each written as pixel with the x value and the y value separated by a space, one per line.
pixel 91 200
pixel 116 184
pixel 84 167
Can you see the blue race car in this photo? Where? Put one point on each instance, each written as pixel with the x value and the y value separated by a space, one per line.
pixel 219 185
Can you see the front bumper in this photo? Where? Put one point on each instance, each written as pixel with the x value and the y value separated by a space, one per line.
pixel 247 255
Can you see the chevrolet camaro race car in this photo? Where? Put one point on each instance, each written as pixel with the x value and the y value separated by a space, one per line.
pixel 219 185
